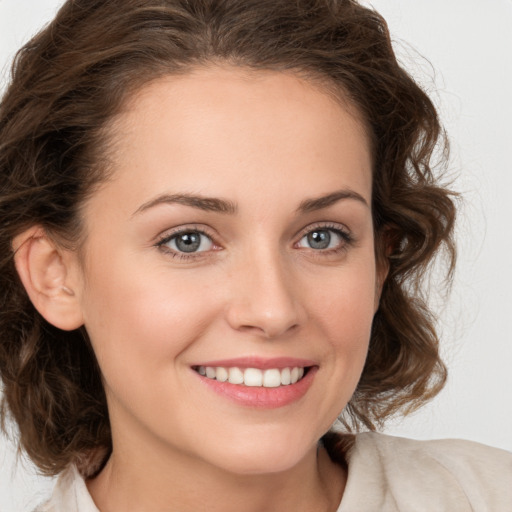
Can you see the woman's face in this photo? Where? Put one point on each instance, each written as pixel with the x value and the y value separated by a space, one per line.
pixel 236 239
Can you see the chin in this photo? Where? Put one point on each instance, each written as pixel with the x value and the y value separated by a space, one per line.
pixel 264 454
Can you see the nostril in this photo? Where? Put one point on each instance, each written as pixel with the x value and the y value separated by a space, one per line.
pixel 269 330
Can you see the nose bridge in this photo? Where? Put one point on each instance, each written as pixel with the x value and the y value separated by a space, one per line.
pixel 264 297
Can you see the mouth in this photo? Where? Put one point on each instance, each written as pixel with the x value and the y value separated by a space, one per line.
pixel 254 377
pixel 261 383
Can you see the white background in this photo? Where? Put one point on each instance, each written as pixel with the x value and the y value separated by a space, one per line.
pixel 469 43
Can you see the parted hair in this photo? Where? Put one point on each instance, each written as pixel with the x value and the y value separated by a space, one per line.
pixel 70 81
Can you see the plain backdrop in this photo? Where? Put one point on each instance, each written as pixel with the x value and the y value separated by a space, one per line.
pixel 459 50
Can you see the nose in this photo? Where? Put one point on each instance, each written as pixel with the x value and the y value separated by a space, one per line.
pixel 264 298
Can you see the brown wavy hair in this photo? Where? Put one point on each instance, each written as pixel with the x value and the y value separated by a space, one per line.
pixel 72 78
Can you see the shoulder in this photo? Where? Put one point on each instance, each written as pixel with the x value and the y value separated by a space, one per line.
pixel 455 455
pixel 451 475
pixel 70 494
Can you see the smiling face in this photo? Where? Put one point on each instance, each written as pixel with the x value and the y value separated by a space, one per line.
pixel 229 270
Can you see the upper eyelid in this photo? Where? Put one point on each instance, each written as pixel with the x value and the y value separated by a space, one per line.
pixel 334 226
pixel 168 234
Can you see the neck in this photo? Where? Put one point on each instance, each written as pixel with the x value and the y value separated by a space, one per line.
pixel 179 482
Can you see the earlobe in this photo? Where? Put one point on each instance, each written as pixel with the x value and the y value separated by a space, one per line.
pixel 45 274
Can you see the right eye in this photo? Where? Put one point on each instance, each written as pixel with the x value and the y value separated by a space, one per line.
pixel 186 242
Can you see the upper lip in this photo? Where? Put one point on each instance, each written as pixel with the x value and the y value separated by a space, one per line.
pixel 260 362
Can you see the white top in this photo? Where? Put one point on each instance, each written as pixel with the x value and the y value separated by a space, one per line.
pixel 385 474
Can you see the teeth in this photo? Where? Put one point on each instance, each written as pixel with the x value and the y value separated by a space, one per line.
pixel 236 376
pixel 271 378
pixel 221 374
pixel 286 377
pixel 253 377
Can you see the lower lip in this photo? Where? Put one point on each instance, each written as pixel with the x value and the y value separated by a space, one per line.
pixel 261 397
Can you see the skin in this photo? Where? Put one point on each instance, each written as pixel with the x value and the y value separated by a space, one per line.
pixel 266 142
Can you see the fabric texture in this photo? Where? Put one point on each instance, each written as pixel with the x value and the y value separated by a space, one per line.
pixel 385 474
pixel 392 474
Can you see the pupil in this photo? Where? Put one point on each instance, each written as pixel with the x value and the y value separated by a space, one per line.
pixel 319 239
pixel 188 242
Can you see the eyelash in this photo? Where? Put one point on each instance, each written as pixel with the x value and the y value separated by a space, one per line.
pixel 346 237
pixel 168 237
pixel 334 228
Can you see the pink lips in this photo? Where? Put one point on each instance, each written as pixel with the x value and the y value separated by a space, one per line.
pixel 259 362
pixel 261 397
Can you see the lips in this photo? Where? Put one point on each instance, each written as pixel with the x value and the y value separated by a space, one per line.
pixel 259 383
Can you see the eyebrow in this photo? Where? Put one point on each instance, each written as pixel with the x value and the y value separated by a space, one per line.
pixel 209 204
pixel 311 205
pixel 215 204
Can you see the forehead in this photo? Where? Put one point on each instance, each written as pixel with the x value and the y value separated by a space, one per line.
pixel 223 130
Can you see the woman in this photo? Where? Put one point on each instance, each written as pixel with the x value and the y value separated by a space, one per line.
pixel 215 216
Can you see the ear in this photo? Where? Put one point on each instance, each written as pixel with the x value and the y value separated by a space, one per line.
pixel 48 273
pixel 381 276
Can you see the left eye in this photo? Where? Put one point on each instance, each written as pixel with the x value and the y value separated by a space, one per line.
pixel 321 239
pixel 189 241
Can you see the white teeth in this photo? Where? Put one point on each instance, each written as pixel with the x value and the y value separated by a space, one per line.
pixel 221 374
pixel 271 378
pixel 236 376
pixel 253 377
pixel 285 376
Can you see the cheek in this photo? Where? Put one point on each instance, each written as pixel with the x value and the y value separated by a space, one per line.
pixel 344 312
pixel 346 300
pixel 143 322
